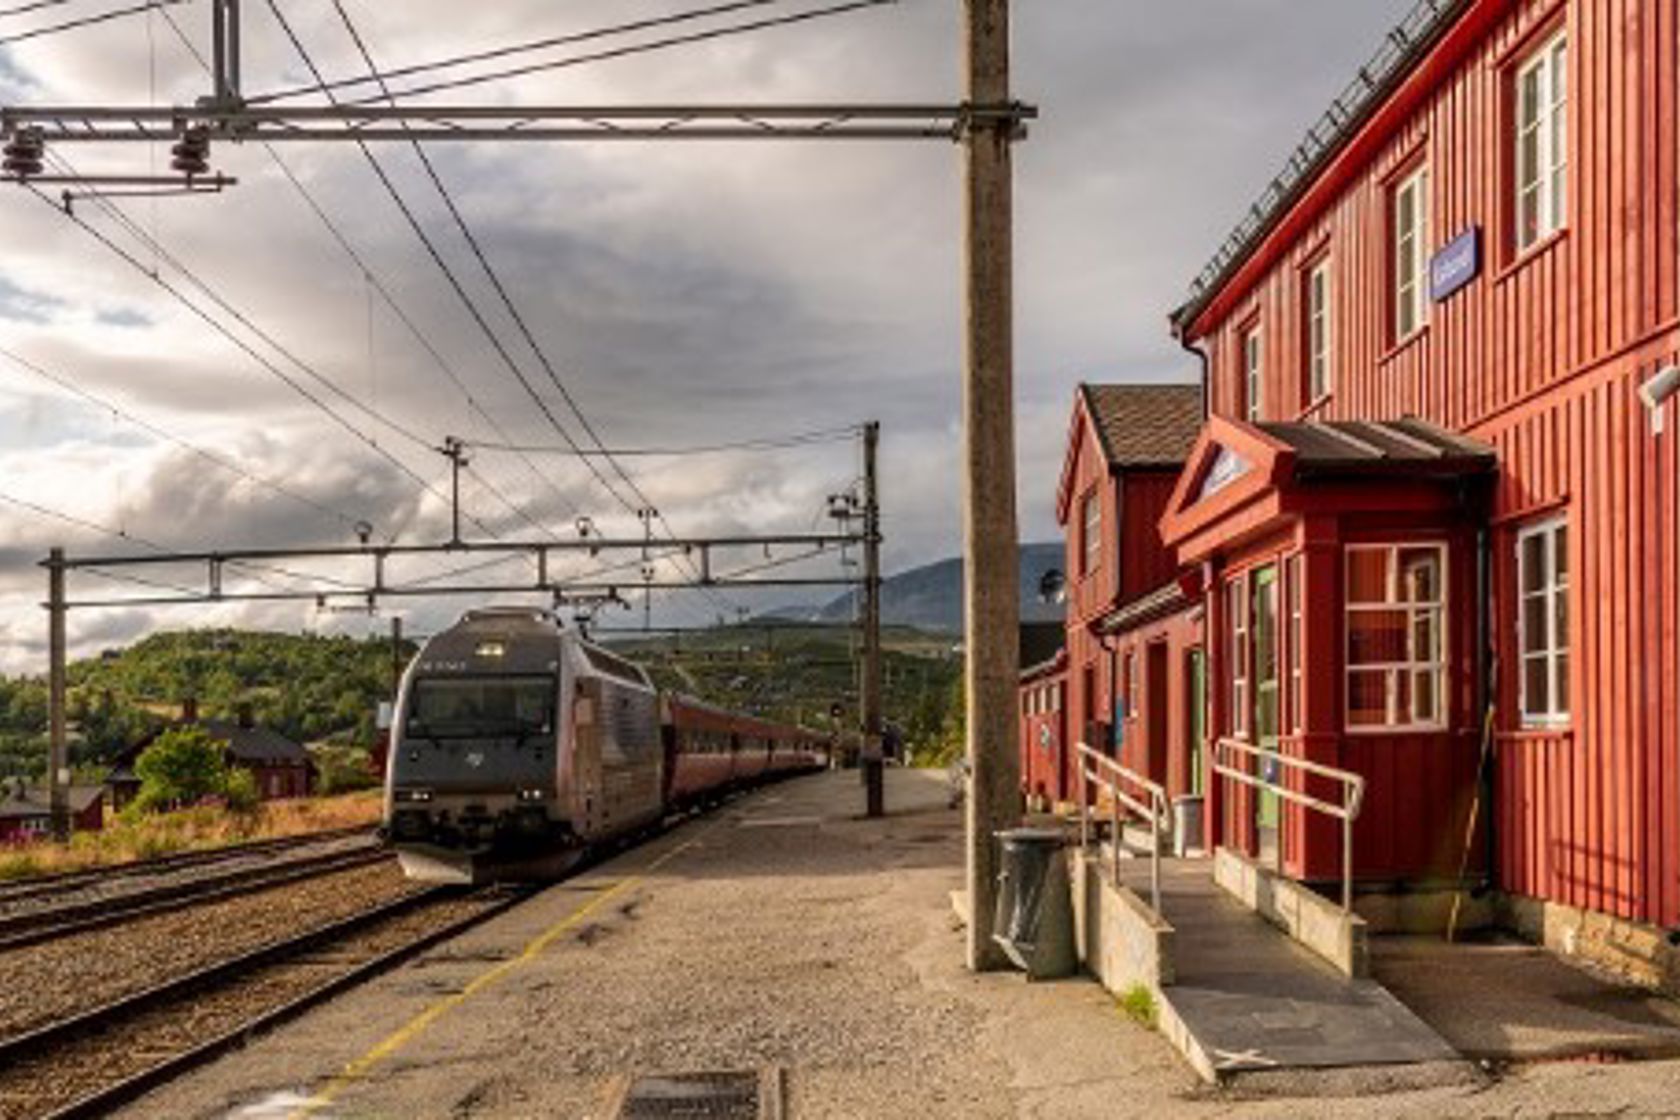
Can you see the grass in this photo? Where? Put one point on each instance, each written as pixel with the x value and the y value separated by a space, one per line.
pixel 1138 1002
pixel 197 829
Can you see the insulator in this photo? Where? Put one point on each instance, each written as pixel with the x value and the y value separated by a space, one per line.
pixel 23 153
pixel 190 155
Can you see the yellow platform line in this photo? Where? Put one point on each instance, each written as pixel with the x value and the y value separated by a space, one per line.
pixel 410 1030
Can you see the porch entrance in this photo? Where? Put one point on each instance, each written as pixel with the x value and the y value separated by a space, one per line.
pixel 1263 655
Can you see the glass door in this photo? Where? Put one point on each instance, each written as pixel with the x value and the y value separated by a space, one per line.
pixel 1264 659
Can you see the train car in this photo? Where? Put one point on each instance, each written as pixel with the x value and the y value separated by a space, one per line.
pixel 516 745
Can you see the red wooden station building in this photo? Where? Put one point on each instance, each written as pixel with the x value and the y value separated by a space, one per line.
pixel 1427 528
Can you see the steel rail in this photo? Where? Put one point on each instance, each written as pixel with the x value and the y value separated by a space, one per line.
pixel 63 880
pixel 1347 811
pixel 34 1045
pixel 53 923
pixel 1114 777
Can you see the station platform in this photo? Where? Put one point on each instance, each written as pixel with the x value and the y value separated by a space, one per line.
pixel 801 958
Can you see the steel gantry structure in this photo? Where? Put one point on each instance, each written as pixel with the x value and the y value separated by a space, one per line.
pixel 987 123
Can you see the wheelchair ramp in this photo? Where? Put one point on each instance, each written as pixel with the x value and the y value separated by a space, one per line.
pixel 1248 1001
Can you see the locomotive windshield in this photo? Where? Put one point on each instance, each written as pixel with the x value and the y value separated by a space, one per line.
pixel 468 707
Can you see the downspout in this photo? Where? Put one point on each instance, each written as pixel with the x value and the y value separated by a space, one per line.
pixel 1486 691
pixel 1202 357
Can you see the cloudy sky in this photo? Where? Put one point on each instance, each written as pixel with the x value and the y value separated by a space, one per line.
pixel 685 294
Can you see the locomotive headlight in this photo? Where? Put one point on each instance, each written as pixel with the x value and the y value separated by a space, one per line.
pixel 530 795
pixel 491 649
pixel 411 795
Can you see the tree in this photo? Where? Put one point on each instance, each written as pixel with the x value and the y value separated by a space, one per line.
pixel 184 765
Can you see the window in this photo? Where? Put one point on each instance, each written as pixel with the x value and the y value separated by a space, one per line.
pixel 1236 607
pixel 1542 142
pixel 1252 373
pixel 1091 519
pixel 1318 332
pixel 1396 625
pixel 1411 254
pixel 1293 639
pixel 1543 622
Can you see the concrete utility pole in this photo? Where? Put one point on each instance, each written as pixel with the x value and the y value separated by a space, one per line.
pixel 58 741
pixel 874 770
pixel 990 580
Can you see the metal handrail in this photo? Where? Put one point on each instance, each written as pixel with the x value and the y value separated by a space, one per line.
pixel 1094 766
pixel 1353 793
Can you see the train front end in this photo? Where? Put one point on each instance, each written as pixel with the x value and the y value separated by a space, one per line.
pixel 473 789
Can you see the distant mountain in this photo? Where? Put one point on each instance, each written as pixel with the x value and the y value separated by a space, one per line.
pixel 930 597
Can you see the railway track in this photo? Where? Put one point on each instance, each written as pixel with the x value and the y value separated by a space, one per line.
pixel 92 1062
pixel 39 885
pixel 90 904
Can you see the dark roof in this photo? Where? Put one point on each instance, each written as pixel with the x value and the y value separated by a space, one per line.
pixel 1145 425
pixel 1356 447
pixel 1167 599
pixel 1401 51
pixel 35 802
pixel 254 744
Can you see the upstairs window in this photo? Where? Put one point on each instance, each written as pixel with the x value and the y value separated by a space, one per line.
pixel 1542 155
pixel 1543 622
pixel 1318 332
pixel 1411 254
pixel 1090 520
pixel 1252 374
pixel 1396 636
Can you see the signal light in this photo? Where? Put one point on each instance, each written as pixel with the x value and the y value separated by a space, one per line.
pixel 23 153
pixel 190 155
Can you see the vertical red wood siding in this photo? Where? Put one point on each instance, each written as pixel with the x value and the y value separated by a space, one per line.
pixel 1540 356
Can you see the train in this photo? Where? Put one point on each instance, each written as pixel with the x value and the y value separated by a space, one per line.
pixel 517 746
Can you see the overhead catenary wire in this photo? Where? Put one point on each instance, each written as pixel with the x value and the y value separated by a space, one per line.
pixel 454 281
pixel 78 23
pixel 403 315
pixel 220 460
pixel 528 47
pixel 669 43
pixel 645 506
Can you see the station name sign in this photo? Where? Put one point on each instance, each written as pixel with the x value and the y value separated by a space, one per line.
pixel 1458 263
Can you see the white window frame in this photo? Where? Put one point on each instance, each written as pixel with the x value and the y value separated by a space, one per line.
pixel 1253 356
pixel 1320 378
pixel 1090 518
pixel 1555 653
pixel 1413 665
pixel 1411 254
pixel 1545 183
pixel 1294 588
pixel 1237 624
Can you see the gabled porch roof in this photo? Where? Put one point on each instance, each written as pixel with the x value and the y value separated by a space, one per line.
pixel 1242 477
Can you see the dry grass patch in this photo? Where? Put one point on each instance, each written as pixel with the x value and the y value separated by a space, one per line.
pixel 199 828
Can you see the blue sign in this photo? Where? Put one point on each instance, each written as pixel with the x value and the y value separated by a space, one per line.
pixel 1456 265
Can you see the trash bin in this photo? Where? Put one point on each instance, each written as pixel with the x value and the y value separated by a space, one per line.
pixel 1034 919
pixel 1187 824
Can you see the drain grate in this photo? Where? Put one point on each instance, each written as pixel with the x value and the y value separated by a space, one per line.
pixel 693 1096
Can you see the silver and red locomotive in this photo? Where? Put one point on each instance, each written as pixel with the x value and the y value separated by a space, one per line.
pixel 517 745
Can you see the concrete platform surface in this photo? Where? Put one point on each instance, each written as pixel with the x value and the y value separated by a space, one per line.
pixel 785 936
pixel 1504 1000
pixel 1253 1000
